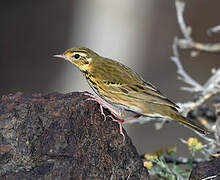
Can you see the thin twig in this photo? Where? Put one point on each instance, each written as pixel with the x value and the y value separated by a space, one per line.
pixel 208 47
pixel 180 5
pixel 145 119
pixel 210 88
pixel 210 177
pixel 215 29
pixel 212 85
pixel 196 87
pixel 187 41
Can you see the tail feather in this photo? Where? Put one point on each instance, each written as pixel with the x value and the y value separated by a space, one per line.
pixel 190 123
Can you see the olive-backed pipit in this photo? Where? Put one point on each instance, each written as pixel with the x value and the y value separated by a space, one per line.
pixel 124 89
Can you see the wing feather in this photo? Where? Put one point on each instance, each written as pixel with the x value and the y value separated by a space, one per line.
pixel 123 81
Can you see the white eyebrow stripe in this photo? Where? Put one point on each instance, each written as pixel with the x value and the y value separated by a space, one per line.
pixel 81 54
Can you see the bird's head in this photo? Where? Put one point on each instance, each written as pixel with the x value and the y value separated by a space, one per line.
pixel 81 57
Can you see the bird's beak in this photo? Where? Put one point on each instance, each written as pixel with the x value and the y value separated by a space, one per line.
pixel 63 57
pixel 59 56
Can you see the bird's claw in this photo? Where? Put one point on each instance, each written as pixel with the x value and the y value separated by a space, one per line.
pixel 120 122
pixel 114 114
pixel 100 104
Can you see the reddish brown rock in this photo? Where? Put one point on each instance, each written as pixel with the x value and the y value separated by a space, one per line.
pixel 62 136
pixel 207 169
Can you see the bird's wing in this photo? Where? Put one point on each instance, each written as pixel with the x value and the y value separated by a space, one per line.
pixel 145 92
pixel 121 80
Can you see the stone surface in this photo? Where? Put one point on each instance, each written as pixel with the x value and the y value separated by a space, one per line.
pixel 63 136
pixel 207 169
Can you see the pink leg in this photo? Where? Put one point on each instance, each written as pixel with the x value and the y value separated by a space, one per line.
pixel 121 121
pixel 116 114
pixel 103 104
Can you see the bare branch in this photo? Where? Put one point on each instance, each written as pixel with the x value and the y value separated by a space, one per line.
pixel 145 119
pixel 213 84
pixel 215 47
pixel 215 29
pixel 210 88
pixel 180 5
pixel 196 87
pixel 210 177
pixel 187 42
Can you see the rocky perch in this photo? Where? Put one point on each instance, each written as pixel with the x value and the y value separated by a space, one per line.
pixel 210 169
pixel 63 136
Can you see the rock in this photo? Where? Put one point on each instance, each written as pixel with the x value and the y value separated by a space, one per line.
pixel 206 169
pixel 63 136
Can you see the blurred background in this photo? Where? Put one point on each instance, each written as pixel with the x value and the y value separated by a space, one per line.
pixel 136 33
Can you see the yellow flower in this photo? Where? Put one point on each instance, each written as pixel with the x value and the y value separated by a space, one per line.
pixel 171 150
pixel 204 122
pixel 150 156
pixel 148 164
pixel 192 141
pixel 194 144
pixel 167 150
pixel 198 146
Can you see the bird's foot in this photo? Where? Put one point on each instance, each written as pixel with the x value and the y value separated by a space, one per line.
pixel 120 122
pixel 114 113
pixel 103 104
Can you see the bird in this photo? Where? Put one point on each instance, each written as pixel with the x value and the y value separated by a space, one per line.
pixel 121 89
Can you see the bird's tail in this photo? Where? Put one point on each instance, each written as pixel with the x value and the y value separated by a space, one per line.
pixel 190 123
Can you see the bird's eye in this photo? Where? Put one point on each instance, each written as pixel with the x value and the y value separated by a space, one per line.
pixel 76 56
